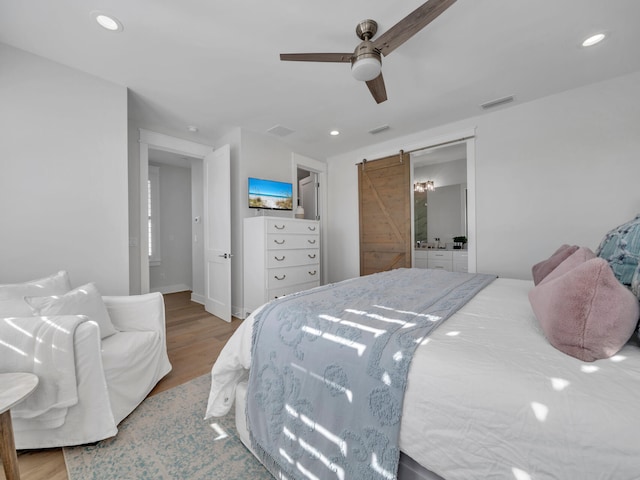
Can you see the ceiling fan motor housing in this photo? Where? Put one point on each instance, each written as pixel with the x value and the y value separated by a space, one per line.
pixel 366 62
pixel 366 29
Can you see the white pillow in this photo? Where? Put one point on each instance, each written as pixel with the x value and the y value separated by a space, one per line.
pixel 84 300
pixel 12 302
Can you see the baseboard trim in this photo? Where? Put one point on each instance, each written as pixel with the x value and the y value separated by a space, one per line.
pixel 171 288
pixel 238 312
pixel 196 297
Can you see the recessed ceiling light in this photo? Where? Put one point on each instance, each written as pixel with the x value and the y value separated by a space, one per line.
pixel 593 39
pixel 334 133
pixel 192 128
pixel 108 22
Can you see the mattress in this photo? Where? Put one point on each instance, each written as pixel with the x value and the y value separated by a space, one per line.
pixel 489 397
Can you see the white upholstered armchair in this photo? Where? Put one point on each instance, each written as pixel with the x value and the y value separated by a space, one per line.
pixel 94 367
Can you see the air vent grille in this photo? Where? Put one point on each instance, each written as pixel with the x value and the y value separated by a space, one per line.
pixel 379 129
pixel 497 102
pixel 280 131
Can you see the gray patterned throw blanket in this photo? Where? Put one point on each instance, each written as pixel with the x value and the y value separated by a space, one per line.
pixel 329 370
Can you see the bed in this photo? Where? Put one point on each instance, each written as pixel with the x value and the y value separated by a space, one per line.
pixel 488 396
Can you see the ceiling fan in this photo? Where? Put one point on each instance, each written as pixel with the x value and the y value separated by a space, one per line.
pixel 366 60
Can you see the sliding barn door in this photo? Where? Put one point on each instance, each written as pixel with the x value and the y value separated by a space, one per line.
pixel 385 214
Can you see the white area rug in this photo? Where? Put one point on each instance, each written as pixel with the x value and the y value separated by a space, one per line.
pixel 166 438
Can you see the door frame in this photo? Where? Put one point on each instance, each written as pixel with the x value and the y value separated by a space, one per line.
pixel 320 168
pixel 157 141
pixel 468 137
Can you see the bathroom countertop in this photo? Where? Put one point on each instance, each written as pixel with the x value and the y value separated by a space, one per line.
pixel 422 249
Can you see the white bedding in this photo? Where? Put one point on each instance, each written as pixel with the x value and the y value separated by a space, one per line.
pixel 489 397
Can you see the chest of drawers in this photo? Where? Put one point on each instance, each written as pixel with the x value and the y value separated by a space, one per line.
pixel 281 256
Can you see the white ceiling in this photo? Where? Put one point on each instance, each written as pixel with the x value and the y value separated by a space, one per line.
pixel 216 64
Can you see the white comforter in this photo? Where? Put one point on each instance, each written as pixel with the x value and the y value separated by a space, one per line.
pixel 489 397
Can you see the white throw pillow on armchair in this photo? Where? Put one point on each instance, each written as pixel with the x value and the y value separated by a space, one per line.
pixel 12 295
pixel 84 300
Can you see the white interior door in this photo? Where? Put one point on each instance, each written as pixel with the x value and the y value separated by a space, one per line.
pixel 308 195
pixel 217 233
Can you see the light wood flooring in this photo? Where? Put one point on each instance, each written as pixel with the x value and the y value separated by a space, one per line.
pixel 194 341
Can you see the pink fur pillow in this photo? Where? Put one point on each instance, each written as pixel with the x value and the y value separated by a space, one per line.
pixel 586 313
pixel 578 257
pixel 545 267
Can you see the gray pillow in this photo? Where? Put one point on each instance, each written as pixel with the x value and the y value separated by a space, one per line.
pixel 621 248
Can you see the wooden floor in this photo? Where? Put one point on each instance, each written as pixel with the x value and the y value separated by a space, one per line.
pixel 194 340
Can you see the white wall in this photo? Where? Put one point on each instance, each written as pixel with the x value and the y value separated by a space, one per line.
pixel 63 174
pixel 563 169
pixel 174 274
pixel 268 158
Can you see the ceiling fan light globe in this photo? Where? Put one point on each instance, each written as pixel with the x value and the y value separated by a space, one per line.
pixel 365 69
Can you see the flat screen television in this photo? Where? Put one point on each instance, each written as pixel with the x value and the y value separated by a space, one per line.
pixel 270 195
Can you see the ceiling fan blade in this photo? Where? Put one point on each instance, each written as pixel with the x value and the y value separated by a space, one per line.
pixel 410 25
pixel 377 89
pixel 317 57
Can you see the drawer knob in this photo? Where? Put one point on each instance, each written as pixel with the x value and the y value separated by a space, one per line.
pixel 279 242
pixel 313 273
pixel 313 229
pixel 311 241
pixel 278 227
pixel 311 255
pixel 279 259
pixel 280 278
